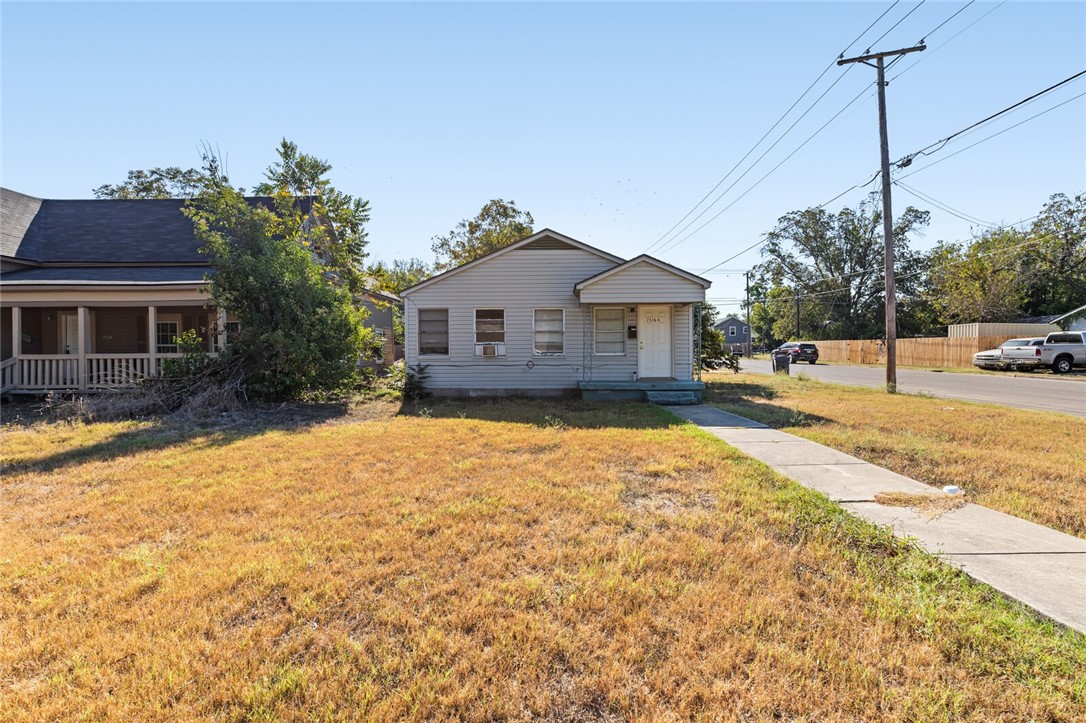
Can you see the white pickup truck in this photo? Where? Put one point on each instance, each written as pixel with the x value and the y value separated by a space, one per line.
pixel 1061 352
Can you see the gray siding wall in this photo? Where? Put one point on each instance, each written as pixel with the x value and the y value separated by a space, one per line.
pixel 646 283
pixel 519 282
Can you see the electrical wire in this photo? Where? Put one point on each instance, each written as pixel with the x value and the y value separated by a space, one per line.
pixel 926 150
pixel 932 51
pixel 944 207
pixel 773 127
pixel 988 138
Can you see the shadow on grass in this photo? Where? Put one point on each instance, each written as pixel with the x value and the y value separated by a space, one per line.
pixel 744 399
pixel 558 412
pixel 162 433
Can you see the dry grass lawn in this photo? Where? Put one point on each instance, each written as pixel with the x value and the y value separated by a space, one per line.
pixel 1025 463
pixel 479 561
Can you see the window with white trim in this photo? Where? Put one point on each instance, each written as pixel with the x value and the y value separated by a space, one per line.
pixel 490 326
pixel 166 333
pixel 548 335
pixel 610 331
pixel 433 331
pixel 731 331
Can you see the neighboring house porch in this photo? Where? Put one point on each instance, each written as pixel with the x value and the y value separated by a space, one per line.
pixel 100 340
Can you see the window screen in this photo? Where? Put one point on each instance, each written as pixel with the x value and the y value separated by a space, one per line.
pixel 610 334
pixel 549 330
pixel 489 326
pixel 433 331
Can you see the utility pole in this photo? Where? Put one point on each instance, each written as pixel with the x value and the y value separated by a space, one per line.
pixel 750 329
pixel 797 317
pixel 887 208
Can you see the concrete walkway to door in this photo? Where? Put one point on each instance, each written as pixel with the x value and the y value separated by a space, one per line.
pixel 1033 564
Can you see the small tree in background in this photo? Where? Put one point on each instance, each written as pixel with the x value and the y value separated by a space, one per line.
pixel 497 225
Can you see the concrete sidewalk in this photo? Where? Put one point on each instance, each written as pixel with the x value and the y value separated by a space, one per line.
pixel 1036 565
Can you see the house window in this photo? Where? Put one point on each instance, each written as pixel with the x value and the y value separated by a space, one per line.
pixel 489 326
pixel 166 333
pixel 433 331
pixel 549 332
pixel 731 331
pixel 746 329
pixel 610 334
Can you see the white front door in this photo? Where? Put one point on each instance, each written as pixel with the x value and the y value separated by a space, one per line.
pixel 69 334
pixel 654 342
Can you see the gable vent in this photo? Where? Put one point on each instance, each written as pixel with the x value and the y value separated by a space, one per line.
pixel 547 244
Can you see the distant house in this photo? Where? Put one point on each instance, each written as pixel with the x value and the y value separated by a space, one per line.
pixel 94 292
pixel 736 333
pixel 550 315
pixel 1074 320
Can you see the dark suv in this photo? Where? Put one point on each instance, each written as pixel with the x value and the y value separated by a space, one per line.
pixel 799 351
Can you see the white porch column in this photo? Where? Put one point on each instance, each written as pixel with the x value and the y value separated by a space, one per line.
pixel 220 329
pixel 17 342
pixel 152 341
pixel 84 337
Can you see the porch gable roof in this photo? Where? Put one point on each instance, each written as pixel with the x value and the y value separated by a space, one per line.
pixel 643 279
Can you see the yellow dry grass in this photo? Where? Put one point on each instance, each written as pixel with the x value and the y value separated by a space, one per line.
pixel 481 561
pixel 933 505
pixel 1025 463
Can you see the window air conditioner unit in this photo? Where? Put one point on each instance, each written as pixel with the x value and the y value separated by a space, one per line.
pixel 490 350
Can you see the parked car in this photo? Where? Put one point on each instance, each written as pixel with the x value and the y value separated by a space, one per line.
pixel 1061 352
pixel 799 351
pixel 994 359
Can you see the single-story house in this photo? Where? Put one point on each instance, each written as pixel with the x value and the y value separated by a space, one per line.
pixel 94 292
pixel 736 334
pixel 1074 320
pixel 552 315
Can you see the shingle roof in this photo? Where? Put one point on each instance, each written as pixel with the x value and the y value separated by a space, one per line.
pixel 17 211
pixel 144 231
pixel 108 275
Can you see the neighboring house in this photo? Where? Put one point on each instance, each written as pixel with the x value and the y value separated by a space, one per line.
pixel 736 334
pixel 94 292
pixel 550 315
pixel 1074 320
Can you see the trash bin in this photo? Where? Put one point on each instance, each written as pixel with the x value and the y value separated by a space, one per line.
pixel 780 362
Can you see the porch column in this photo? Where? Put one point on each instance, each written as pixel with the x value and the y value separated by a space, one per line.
pixel 152 341
pixel 84 337
pixel 220 329
pixel 17 343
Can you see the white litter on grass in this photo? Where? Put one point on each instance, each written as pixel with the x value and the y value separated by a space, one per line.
pixel 952 490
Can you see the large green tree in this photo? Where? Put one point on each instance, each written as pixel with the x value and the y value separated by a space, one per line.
pixel 1058 253
pixel 833 263
pixel 336 230
pixel 299 335
pixel 985 280
pixel 497 225
pixel 169 182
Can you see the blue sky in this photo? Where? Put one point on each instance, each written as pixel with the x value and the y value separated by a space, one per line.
pixel 607 121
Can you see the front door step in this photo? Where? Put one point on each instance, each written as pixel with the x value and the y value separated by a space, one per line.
pixel 672 397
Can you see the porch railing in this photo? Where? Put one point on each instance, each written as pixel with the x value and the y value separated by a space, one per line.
pixel 39 372
pixel 7 374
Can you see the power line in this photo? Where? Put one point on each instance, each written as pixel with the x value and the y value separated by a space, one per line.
pixel 988 138
pixel 899 22
pixel 942 206
pixel 952 37
pixel 772 128
pixel 925 150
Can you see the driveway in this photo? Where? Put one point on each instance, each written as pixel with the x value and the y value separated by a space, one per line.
pixel 1042 392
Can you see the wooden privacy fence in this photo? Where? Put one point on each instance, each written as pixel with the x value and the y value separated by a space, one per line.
pixel 925 352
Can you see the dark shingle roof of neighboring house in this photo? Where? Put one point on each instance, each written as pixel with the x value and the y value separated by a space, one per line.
pixel 1048 319
pixel 17 212
pixel 108 275
pixel 730 318
pixel 144 231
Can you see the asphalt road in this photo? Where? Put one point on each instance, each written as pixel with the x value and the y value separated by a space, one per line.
pixel 1040 391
